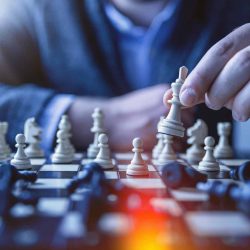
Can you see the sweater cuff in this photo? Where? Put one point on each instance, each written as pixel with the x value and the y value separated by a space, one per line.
pixel 50 118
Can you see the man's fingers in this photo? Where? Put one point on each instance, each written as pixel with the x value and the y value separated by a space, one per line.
pixel 230 80
pixel 241 104
pixel 201 78
pixel 167 96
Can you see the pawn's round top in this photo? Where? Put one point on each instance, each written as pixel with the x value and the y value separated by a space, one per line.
pixel 20 138
pixel 209 141
pixel 103 139
pixel 137 142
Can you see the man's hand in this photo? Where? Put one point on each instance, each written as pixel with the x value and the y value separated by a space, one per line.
pixel 222 77
pixel 132 115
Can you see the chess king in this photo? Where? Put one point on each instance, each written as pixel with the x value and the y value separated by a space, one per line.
pixel 172 125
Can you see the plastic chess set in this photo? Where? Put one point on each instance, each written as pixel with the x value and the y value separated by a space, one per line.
pixel 98 199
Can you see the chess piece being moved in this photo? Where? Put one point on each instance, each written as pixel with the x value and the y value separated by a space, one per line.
pixel 223 150
pixel 20 160
pixel 97 129
pixel 103 158
pixel 172 124
pixel 4 147
pixel 65 125
pixel 197 134
pixel 167 155
pixel 209 163
pixel 63 153
pixel 32 134
pixel 159 146
pixel 137 166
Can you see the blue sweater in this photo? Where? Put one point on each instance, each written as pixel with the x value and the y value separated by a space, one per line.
pixel 68 46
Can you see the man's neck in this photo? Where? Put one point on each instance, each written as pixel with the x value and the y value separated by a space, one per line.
pixel 141 12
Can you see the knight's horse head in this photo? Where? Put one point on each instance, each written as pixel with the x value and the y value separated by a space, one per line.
pixel 32 131
pixel 198 132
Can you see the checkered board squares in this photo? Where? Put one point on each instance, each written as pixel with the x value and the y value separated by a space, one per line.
pixel 50 183
pixel 123 167
pixel 218 223
pixel 111 175
pixel 37 161
pixel 144 183
pixel 60 167
pixel 189 194
pixel 53 206
pixel 168 205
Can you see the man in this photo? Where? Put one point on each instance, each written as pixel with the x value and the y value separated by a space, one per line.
pixel 71 56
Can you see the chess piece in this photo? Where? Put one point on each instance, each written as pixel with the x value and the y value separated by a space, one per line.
pixel 241 173
pixel 159 146
pixel 65 125
pixel 62 153
pixel 4 147
pixel 209 163
pixel 20 160
pixel 32 134
pixel 223 150
pixel 176 175
pixel 103 157
pixel 167 155
pixel 137 166
pixel 172 124
pixel 97 129
pixel 197 134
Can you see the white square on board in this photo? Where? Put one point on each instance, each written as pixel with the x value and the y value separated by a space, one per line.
pixel 111 174
pixel 218 223
pixel 123 167
pixel 60 167
pixel 52 183
pixel 37 161
pixel 53 206
pixel 144 183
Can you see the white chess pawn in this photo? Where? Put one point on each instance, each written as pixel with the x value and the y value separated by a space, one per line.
pixel 62 152
pixel 20 160
pixel 223 150
pixel 103 158
pixel 97 129
pixel 209 162
pixel 167 155
pixel 172 124
pixel 137 166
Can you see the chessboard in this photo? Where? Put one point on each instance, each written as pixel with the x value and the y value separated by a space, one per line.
pixel 150 216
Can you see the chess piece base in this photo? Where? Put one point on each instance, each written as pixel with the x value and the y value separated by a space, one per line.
pixel 171 127
pixel 209 166
pixel 59 158
pixel 137 170
pixel 21 164
pixel 223 153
